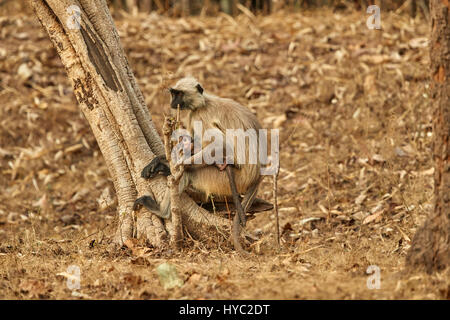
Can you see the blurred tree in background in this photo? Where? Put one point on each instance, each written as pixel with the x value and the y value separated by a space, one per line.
pixel 193 7
pixel 430 248
pixel 177 8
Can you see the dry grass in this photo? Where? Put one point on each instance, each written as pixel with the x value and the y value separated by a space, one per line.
pixel 355 123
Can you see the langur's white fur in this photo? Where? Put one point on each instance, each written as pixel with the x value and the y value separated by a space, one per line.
pixel 218 113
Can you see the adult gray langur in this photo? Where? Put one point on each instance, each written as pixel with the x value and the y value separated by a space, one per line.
pixel 229 178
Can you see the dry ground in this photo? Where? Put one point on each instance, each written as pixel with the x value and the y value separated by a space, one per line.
pixel 354 117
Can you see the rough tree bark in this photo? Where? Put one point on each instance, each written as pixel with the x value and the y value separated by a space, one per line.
pixel 431 243
pixel 111 101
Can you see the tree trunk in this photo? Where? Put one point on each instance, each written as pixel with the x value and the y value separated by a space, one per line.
pixel 185 8
pixel 413 8
pixel 114 106
pixel 430 246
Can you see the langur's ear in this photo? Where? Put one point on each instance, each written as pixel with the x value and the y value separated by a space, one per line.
pixel 199 88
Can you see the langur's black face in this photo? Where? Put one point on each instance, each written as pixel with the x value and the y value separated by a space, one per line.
pixel 177 99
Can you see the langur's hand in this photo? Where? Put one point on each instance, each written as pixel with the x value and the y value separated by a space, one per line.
pixel 221 166
pixel 228 161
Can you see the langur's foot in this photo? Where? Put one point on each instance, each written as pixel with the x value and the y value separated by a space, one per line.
pixel 150 204
pixel 146 201
pixel 153 168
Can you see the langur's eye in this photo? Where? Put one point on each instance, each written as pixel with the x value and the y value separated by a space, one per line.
pixel 176 93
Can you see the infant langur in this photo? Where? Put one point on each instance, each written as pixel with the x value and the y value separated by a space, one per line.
pixel 227 179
